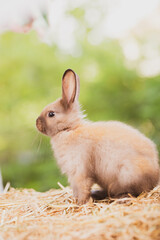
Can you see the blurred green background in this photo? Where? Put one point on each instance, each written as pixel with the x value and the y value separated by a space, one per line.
pixel 30 78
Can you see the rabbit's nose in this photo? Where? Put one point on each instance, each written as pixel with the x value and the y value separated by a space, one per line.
pixel 39 124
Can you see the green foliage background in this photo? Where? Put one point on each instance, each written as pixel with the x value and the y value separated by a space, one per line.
pixel 30 78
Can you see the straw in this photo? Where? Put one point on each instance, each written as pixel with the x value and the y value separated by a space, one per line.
pixel 53 215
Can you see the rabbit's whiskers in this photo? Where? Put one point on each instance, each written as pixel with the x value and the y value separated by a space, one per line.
pixel 39 145
pixel 35 138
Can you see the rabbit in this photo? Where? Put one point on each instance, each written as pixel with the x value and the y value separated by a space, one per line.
pixel 112 154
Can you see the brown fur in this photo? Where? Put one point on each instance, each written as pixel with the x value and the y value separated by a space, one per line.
pixel 116 156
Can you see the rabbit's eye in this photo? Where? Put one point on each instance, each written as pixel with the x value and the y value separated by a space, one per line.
pixel 51 114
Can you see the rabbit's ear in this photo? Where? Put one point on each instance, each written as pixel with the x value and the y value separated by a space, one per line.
pixel 70 87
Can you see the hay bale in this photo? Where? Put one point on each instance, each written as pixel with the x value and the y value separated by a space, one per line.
pixel 27 214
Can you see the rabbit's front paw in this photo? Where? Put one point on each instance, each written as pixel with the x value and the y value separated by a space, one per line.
pixel 83 198
pixel 81 186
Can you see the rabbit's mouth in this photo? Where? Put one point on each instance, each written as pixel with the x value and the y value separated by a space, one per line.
pixel 40 125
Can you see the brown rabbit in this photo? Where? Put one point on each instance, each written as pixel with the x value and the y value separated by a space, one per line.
pixel 112 154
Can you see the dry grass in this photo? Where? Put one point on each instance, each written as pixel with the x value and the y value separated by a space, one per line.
pixel 27 214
